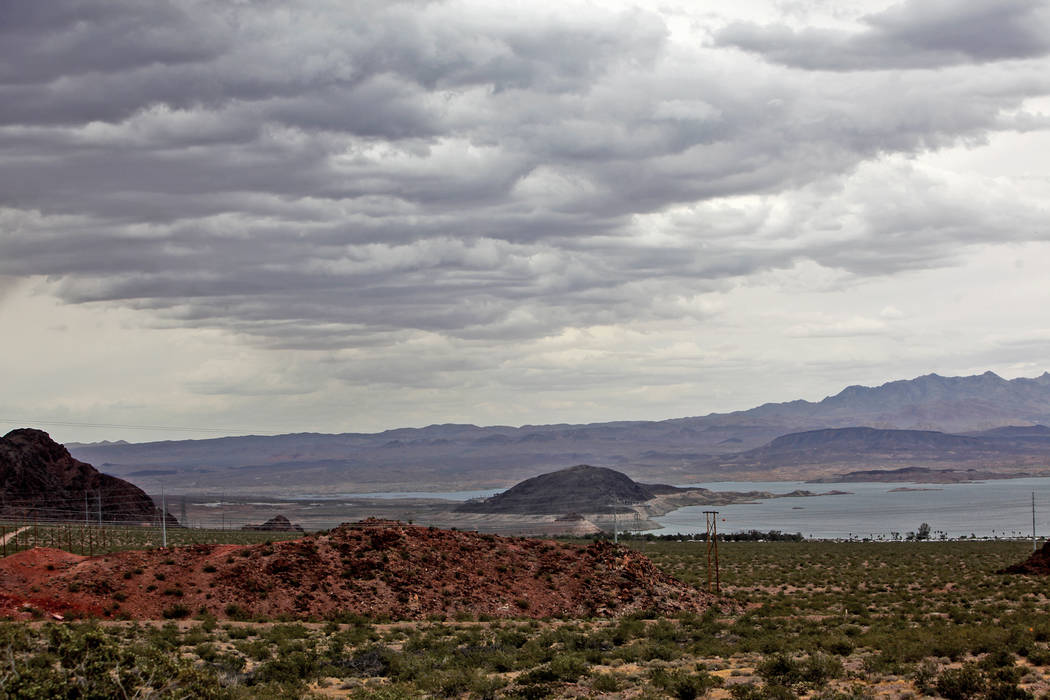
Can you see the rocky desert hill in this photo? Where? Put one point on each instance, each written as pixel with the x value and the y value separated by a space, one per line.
pixel 40 480
pixel 682 450
pixel 1038 564
pixel 582 488
pixel 373 568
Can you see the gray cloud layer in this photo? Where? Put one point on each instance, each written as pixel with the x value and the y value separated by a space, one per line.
pixel 337 174
pixel 913 34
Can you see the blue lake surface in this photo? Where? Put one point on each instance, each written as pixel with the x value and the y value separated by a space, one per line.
pixel 1001 508
pixel 447 495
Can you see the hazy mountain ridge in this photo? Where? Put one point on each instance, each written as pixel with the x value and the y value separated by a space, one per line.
pixel 679 450
pixel 932 402
pixel 833 447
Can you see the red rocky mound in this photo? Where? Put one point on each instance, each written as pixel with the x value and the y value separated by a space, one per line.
pixel 1038 563
pixel 373 568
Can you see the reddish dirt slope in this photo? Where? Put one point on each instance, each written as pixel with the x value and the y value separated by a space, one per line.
pixel 1038 563
pixel 372 568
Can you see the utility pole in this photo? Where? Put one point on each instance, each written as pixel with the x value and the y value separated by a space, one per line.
pixel 1033 521
pixel 85 509
pixel 163 518
pixel 711 516
pixel 99 494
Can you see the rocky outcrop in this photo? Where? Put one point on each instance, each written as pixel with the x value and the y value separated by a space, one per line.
pixel 1038 564
pixel 40 480
pixel 581 489
pixel 374 568
pixel 277 523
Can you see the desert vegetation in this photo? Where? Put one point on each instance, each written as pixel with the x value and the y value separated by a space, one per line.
pixel 813 619
pixel 91 538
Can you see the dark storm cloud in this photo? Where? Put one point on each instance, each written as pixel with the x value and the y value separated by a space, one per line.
pixel 58 39
pixel 913 34
pixel 341 177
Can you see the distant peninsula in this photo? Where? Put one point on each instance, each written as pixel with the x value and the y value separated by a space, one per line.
pixel 585 495
pixel 921 475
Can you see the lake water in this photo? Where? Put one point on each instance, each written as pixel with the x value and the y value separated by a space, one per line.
pixel 1001 508
pixel 447 495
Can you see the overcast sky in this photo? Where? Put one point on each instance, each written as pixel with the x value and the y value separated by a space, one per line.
pixel 262 217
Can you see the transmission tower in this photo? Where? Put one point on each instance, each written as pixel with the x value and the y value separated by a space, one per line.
pixel 711 516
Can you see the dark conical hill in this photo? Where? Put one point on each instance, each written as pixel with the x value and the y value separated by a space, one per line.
pixel 582 488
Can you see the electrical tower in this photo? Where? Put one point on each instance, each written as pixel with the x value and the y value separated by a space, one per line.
pixel 712 550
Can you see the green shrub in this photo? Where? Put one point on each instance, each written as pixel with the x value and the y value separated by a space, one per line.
pixel 176 612
pixel 749 691
pixel 605 683
pixel 961 683
pixel 682 684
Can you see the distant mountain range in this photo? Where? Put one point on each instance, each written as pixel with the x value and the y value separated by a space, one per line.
pixel 980 421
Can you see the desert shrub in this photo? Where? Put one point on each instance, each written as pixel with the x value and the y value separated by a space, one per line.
pixel 568 667
pixel 840 646
pixel 286 669
pixel 206 651
pixel 563 668
pixel 195 635
pixel 961 683
pixel 371 661
pixel 626 630
pixel 925 676
pixel 649 651
pixel 237 632
pixel 532 691
pixel 780 669
pixel 1039 657
pixel 176 612
pixel 813 672
pixel 750 691
pixel 1006 691
pixel 856 692
pixel 255 649
pixel 818 669
pixel 682 684
pixel 605 683
pixel 458 681
pixel 280 633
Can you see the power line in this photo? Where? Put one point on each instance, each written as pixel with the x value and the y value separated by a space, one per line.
pixel 124 426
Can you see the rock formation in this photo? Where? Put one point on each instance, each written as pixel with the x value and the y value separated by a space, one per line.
pixel 1038 564
pixel 581 489
pixel 40 480
pixel 374 568
pixel 277 523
